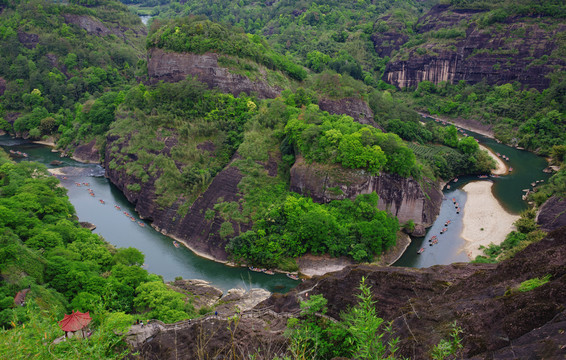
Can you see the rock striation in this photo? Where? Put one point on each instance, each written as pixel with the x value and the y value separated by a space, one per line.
pixel 498 320
pixel 402 197
pixel 358 109
pixel 552 214
pixel 172 66
pixel 518 49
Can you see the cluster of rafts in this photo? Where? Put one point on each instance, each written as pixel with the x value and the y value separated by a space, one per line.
pixel 102 202
pixel 270 272
pixel 434 239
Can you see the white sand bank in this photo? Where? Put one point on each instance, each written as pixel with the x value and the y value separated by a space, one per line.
pixel 501 166
pixel 483 211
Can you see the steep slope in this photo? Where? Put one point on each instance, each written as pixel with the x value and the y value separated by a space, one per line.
pixel 403 197
pixel 475 44
pixel 497 319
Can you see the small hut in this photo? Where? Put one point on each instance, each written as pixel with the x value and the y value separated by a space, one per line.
pixel 75 324
pixel 20 298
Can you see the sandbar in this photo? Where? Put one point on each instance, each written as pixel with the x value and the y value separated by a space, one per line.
pixel 484 219
pixel 501 168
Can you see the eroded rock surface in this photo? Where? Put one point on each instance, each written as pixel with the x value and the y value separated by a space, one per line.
pixel 402 197
pixel 498 320
pixel 87 153
pixel 552 214
pixel 172 67
pixel 356 108
pixel 515 52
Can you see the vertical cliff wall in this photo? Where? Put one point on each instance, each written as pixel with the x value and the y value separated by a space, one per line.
pixel 402 197
pixel 172 67
pixel 457 44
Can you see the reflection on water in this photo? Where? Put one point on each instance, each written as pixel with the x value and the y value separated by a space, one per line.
pixel 161 256
pixel 508 189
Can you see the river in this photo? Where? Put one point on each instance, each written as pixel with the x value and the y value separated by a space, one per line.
pixel 161 256
pixel 168 261
pixel 508 189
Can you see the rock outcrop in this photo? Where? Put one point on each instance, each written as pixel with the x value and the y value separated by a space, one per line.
pixel 402 197
pixel 87 153
pixel 2 85
pixel 173 66
pixel 552 214
pixel 358 109
pixel 519 51
pixel 498 320
pixel 28 40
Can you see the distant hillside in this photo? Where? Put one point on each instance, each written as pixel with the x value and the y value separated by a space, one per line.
pixel 475 41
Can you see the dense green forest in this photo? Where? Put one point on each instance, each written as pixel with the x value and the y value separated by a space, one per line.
pixel 66 267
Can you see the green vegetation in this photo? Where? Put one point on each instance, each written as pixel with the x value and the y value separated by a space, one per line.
pixel 527 118
pixel 337 139
pixel 66 267
pixel 196 117
pixel 297 226
pixel 534 283
pixel 451 347
pixel 64 81
pixel 527 233
pixel 198 36
pixel 358 335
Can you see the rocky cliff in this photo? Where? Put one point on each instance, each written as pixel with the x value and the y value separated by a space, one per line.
pixel 402 197
pixel 552 214
pixel 192 228
pixel 457 44
pixel 172 66
pixel 358 109
pixel 498 320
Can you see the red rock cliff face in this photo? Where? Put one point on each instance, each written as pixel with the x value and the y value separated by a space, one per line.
pixel 172 67
pixel 193 228
pixel 511 51
pixel 402 197
pixel 358 109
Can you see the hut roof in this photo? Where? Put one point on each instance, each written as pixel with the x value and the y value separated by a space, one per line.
pixel 74 322
pixel 20 297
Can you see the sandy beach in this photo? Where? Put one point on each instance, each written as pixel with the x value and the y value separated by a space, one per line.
pixel 501 167
pixel 485 221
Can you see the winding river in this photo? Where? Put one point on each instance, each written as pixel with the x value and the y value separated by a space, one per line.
pixel 163 258
pixel 508 189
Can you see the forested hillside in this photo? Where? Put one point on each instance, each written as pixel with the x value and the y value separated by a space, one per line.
pixel 65 267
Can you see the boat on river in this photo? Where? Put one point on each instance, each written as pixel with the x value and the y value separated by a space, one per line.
pixel 421 250
pixel 176 244
pixel 268 272
pixel 292 276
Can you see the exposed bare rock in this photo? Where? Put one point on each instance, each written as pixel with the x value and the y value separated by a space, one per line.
pixel 483 54
pixel 2 86
pixel 552 214
pixel 87 225
pixel 193 229
pixel 356 108
pixel 239 300
pixel 214 337
pixel 88 153
pixel 498 320
pixel 28 40
pixel 204 293
pixel 91 25
pixel 402 197
pixel 172 67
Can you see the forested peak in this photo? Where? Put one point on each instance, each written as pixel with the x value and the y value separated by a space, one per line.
pixel 552 8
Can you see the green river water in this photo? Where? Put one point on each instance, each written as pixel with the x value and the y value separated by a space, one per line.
pixel 163 258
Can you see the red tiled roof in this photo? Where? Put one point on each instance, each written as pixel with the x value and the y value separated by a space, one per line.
pixel 76 321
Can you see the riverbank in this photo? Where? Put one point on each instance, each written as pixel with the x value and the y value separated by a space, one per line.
pixel 484 219
pixel 501 168
pixel 468 124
